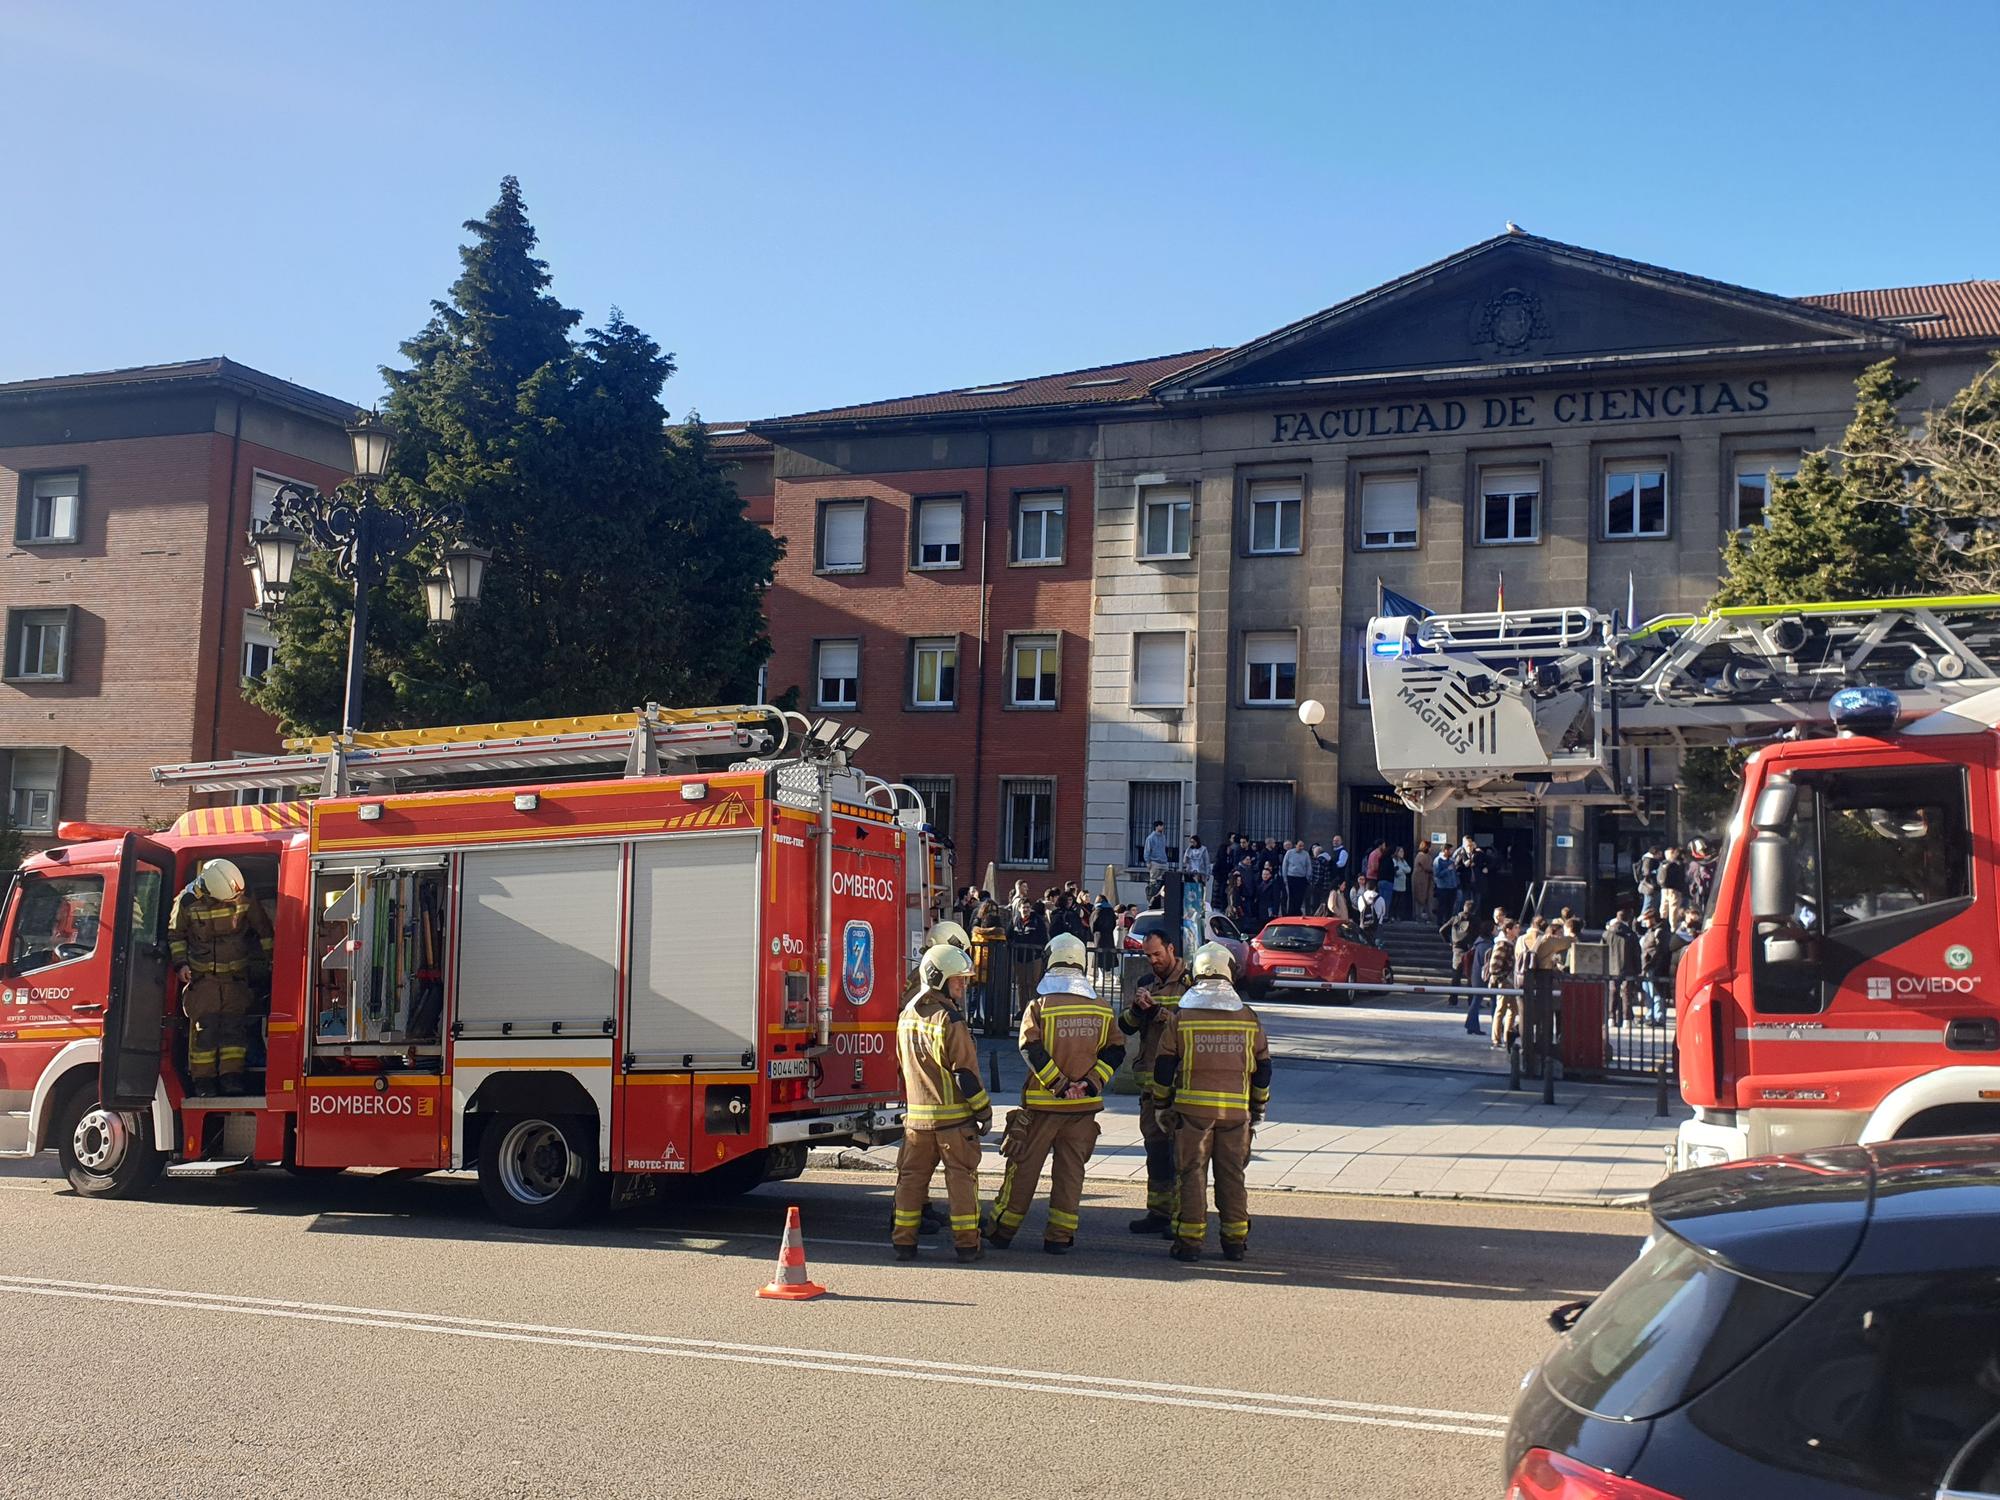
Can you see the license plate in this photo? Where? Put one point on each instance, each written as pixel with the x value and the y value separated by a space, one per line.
pixel 1293 973
pixel 790 1067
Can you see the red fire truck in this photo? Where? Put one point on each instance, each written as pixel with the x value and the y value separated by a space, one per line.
pixel 1840 988
pixel 575 986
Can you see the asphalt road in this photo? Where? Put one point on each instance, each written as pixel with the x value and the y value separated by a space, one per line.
pixel 361 1336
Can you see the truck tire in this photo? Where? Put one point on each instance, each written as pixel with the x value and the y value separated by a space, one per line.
pixel 103 1155
pixel 539 1172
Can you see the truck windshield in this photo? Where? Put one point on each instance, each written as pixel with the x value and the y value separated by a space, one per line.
pixel 1293 937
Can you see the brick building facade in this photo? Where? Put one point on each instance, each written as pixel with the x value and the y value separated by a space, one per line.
pixel 129 625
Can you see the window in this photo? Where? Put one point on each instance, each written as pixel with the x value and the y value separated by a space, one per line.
pixel 1264 810
pixel 260 646
pixel 936 792
pixel 1276 506
pixel 1038 527
pixel 1270 667
pixel 1753 484
pixel 934 673
pixel 1027 809
pixel 34 788
pixel 1147 803
pixel 263 495
pixel 1635 498
pixel 1159 670
pixel 1388 510
pixel 843 536
pixel 839 673
pixel 58 920
pixel 38 644
pixel 1035 671
pixel 940 534
pixel 1510 503
pixel 1166 522
pixel 50 505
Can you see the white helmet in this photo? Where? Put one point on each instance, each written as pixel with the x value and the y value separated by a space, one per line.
pixel 942 962
pixel 1213 961
pixel 220 879
pixel 950 933
pixel 1066 951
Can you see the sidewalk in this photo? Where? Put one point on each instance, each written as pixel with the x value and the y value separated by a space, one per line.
pixel 1415 1131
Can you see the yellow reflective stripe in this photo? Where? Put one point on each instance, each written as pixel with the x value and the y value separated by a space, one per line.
pixel 1062 1220
pixel 1220 1101
pixel 929 1116
pixel 1191 1229
pixel 1035 1098
pixel 1049 1073
pixel 908 1216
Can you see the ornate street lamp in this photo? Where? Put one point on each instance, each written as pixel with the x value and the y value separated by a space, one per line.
pixel 365 537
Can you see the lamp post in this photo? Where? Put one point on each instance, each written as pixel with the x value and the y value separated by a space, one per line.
pixel 365 537
pixel 1312 714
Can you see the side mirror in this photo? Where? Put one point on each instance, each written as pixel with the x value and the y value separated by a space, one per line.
pixel 1772 895
pixel 1780 950
pixel 1774 804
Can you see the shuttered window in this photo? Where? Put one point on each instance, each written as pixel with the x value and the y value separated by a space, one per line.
pixel 694 951
pixel 839 674
pixel 1276 508
pixel 934 673
pixel 1389 510
pixel 1264 810
pixel 1159 670
pixel 940 533
pixel 1270 667
pixel 1166 527
pixel 842 539
pixel 538 936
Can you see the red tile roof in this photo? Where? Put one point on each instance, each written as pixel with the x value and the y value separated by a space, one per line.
pixel 1094 386
pixel 735 438
pixel 1962 309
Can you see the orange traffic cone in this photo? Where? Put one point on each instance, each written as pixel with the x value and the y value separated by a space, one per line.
pixel 792 1283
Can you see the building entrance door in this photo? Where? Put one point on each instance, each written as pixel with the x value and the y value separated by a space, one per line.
pixel 1374 813
pixel 1513 839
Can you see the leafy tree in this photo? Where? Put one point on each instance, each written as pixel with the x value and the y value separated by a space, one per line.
pixel 624 570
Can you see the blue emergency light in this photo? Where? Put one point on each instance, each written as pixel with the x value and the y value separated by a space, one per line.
pixel 1865 710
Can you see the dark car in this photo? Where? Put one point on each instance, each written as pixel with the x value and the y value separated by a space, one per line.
pixel 1825 1324
pixel 1220 930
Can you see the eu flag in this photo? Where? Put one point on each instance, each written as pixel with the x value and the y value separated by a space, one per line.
pixel 1397 604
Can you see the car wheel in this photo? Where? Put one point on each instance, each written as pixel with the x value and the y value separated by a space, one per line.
pixel 537 1172
pixel 1388 974
pixel 106 1153
pixel 1347 996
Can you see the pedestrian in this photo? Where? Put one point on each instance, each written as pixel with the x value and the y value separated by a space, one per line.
pixel 1072 1044
pixel 1444 881
pixel 1378 853
pixel 1553 946
pixel 1297 869
pixel 1500 971
pixel 1399 885
pixel 1067 917
pixel 1482 953
pixel 1214 1064
pixel 1195 863
pixel 1104 937
pixel 1654 950
pixel 1027 935
pixel 1367 912
pixel 1156 861
pixel 1673 879
pixel 1621 964
pixel 1338 853
pixel 1153 1003
pixel 946 1109
pixel 1700 874
pixel 1423 888
pixel 1462 931
pixel 1648 872
pixel 1337 905
pixel 1270 894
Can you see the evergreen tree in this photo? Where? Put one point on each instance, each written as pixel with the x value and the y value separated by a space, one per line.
pixel 624 570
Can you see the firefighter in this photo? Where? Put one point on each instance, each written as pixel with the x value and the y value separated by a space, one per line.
pixel 1214 1071
pixel 952 935
pixel 220 938
pixel 1146 1017
pixel 1072 1044
pixel 946 1110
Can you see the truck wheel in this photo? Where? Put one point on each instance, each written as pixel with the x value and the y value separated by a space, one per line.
pixel 537 1172
pixel 103 1155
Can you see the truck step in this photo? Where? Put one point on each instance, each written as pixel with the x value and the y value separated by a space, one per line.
pixel 207 1168
pixel 14 1133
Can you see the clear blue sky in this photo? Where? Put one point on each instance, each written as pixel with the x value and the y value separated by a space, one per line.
pixel 812 204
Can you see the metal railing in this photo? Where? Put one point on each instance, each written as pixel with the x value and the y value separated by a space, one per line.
pixel 1585 1027
pixel 1004 976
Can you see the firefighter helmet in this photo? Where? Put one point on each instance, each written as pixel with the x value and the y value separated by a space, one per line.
pixel 942 962
pixel 1066 951
pixel 1213 961
pixel 950 933
pixel 220 880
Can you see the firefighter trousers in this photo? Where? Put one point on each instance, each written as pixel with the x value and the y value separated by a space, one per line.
pixel 1159 1139
pixel 1227 1145
pixel 218 1012
pixel 956 1147
pixel 1032 1136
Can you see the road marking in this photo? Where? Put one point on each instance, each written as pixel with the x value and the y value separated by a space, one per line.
pixel 835 1361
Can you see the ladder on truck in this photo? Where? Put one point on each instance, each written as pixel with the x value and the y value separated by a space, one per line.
pixel 1527 707
pixel 640 743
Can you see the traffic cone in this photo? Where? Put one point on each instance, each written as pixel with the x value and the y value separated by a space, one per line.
pixel 792 1283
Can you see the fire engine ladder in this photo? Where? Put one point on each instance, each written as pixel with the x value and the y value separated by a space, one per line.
pixel 1532 706
pixel 641 743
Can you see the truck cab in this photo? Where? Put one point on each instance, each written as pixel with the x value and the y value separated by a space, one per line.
pixel 1843 987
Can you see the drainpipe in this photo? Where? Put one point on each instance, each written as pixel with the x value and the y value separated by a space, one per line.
pixel 222 607
pixel 979 702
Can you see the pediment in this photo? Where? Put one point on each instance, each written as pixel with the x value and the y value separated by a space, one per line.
pixel 1522 301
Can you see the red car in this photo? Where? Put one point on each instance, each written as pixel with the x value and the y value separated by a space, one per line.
pixel 1313 954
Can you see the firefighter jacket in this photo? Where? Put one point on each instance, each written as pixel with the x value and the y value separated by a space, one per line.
pixel 219 939
pixel 1068 1036
pixel 940 1065
pixel 1151 1025
pixel 1214 1064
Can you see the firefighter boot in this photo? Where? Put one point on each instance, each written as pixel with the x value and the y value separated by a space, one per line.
pixel 1186 1250
pixel 1153 1223
pixel 1235 1249
pixel 1055 1247
pixel 906 1252
pixel 970 1252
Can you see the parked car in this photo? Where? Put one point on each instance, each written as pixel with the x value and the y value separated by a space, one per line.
pixel 1314 955
pixel 1825 1324
pixel 1220 930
